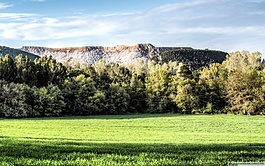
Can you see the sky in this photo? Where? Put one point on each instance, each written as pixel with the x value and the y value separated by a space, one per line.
pixel 227 25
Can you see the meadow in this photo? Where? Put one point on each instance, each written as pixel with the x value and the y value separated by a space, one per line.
pixel 158 139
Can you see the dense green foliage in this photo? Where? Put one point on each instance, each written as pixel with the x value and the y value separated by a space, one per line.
pixel 45 87
pixel 195 59
pixel 143 139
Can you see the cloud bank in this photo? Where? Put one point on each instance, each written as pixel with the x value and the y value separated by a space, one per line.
pixel 214 24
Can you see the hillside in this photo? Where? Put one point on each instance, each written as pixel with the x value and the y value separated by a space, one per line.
pixel 14 52
pixel 121 54
pixel 124 54
pixel 192 57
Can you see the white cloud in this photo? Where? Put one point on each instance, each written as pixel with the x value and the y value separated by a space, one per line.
pixel 50 28
pixel 4 5
pixel 179 6
pixel 219 24
pixel 13 17
pixel 48 20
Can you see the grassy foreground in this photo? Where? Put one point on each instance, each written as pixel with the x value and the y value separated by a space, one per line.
pixel 167 139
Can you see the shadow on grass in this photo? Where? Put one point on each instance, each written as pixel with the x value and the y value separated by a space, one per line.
pixel 162 154
pixel 107 117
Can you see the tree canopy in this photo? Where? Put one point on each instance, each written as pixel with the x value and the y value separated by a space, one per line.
pixel 44 87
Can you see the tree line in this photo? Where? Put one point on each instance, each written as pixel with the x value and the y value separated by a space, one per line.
pixel 44 87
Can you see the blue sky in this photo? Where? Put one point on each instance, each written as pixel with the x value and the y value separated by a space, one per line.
pixel 227 25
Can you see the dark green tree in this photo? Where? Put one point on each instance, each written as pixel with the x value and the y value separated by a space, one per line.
pixel 49 101
pixel 25 71
pixel 12 100
pixel 136 90
pixel 157 89
pixel 48 71
pixel 7 68
pixel 78 93
pixel 184 95
pixel 117 100
pixel 210 88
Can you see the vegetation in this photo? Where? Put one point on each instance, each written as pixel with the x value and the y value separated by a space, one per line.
pixel 44 87
pixel 194 59
pixel 143 139
pixel 14 52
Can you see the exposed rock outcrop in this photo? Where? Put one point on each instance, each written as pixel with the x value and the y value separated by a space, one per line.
pixel 121 54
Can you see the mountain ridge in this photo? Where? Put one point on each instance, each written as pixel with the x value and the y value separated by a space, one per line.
pixel 122 54
pixel 12 52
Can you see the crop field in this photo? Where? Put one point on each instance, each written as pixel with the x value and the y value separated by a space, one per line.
pixel 167 139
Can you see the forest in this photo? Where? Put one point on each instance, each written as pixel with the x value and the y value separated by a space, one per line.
pixel 44 87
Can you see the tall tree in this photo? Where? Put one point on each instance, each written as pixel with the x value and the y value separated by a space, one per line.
pixel 137 94
pixel 157 91
pixel 78 93
pixel 210 87
pixel 25 71
pixel 49 101
pixel 117 100
pixel 7 68
pixel 185 96
pixel 12 100
pixel 244 81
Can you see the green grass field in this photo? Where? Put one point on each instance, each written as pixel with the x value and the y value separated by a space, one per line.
pixel 167 139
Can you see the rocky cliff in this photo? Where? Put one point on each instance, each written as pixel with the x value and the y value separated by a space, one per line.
pixel 121 54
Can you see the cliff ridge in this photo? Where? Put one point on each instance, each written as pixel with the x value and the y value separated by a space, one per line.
pixel 122 54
